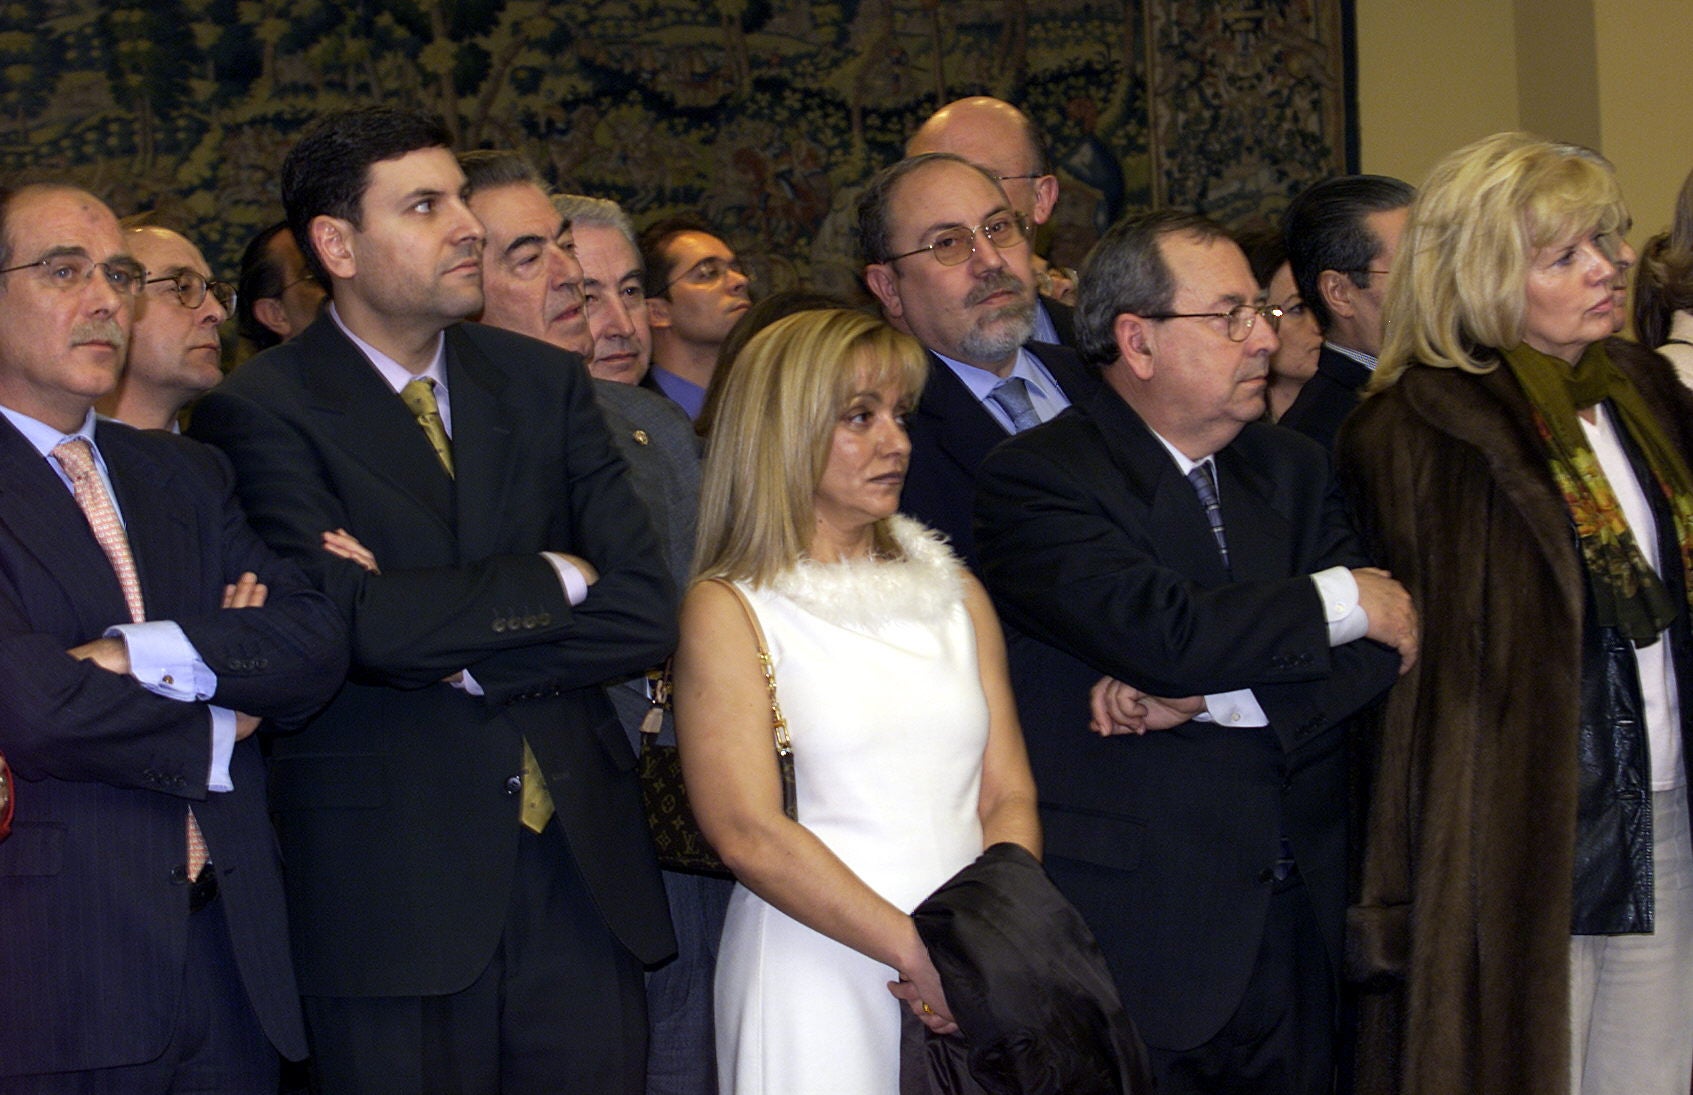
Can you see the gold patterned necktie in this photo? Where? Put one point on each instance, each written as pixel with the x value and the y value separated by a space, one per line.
pixel 419 397
pixel 77 458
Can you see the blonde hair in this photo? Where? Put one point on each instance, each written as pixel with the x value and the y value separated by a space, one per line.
pixel 1460 278
pixel 774 428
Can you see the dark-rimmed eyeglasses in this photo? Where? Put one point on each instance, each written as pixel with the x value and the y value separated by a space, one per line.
pixel 708 271
pixel 191 289
pixel 73 272
pixel 955 245
pixel 1242 318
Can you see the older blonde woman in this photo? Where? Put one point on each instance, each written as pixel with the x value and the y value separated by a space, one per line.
pixel 891 672
pixel 1526 911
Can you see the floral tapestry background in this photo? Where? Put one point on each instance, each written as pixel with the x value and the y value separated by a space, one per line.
pixel 765 116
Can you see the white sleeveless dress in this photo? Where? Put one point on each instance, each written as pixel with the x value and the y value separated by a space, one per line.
pixel 877 674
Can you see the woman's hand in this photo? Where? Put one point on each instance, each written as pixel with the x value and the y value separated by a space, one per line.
pixel 919 985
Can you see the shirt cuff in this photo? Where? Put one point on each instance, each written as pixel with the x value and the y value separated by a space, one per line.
pixel 1237 708
pixel 223 744
pixel 165 662
pixel 574 582
pixel 1345 617
pixel 467 684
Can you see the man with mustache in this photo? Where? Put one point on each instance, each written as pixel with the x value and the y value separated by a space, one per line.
pixel 175 352
pixel 947 256
pixel 1161 534
pixel 145 943
pixel 472 887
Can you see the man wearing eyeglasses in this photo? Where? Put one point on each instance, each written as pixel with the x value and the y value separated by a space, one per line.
pixel 1161 534
pixel 696 290
pixel 145 941
pixel 1005 143
pixel 947 255
pixel 175 352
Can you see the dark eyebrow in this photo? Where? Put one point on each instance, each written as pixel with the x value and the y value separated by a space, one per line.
pixel 531 240
pixel 421 193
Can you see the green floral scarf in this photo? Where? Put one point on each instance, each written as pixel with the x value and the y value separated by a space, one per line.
pixel 1627 593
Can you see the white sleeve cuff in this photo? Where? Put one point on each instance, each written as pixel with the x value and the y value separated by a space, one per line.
pixel 1338 591
pixel 165 662
pixel 1237 708
pixel 223 744
pixel 575 584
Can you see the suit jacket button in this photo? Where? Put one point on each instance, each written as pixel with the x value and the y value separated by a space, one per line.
pixel 529 623
pixel 514 785
pixel 179 875
pixel 544 619
pixel 499 625
pixel 514 622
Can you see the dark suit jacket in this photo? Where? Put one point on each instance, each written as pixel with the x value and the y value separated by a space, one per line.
pixel 1063 318
pixel 93 909
pixel 398 806
pixel 1095 546
pixel 1327 398
pixel 655 437
pixel 950 434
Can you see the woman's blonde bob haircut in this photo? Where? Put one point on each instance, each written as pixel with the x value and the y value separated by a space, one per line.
pixel 1459 284
pixel 774 429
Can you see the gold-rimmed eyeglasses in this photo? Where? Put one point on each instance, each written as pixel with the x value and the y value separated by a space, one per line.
pixel 1242 318
pixel 952 246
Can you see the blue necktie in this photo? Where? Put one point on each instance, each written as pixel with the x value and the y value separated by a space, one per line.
pixel 1206 488
pixel 1011 395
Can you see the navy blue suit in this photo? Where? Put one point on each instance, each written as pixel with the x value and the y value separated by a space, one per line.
pixel 93 904
pixel 1327 398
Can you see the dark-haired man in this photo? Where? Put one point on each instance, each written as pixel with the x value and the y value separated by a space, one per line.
pixel 1341 237
pixel 696 291
pixel 143 944
pixel 277 296
pixel 947 256
pixel 472 888
pixel 1160 534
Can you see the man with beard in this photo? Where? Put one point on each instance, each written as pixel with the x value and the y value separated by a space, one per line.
pixel 175 353
pixel 472 889
pixel 947 256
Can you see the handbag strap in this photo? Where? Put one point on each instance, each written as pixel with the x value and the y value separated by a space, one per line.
pixel 784 744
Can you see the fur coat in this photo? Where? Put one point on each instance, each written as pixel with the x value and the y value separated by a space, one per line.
pixel 1460 936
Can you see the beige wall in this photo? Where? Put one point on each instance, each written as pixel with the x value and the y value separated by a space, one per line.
pixel 1434 74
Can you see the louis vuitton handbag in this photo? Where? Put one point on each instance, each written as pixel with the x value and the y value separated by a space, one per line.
pixel 675 832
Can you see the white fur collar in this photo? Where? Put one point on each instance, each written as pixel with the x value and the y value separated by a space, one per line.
pixel 866 593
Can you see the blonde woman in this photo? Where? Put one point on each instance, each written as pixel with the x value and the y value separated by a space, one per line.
pixel 890 669
pixel 1526 918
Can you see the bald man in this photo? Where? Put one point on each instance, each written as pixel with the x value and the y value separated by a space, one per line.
pixel 1004 142
pixel 175 351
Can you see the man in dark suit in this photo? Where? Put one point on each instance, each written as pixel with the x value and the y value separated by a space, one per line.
pixel 1159 534
pixel 144 630
pixel 473 890
pixel 532 284
pixel 1341 237
pixel 948 258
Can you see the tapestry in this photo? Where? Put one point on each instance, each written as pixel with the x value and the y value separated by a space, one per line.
pixel 766 117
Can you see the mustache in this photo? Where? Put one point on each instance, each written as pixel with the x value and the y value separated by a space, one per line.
pixel 100 330
pixel 999 281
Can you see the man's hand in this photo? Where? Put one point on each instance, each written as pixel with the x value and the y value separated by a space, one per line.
pixel 109 654
pixel 245 592
pixel 1393 619
pixel 1120 708
pixel 342 543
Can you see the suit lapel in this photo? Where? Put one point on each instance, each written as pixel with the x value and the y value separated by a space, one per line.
pixel 160 540
pixel 481 445
pixel 1184 540
pixel 364 417
pixel 39 512
pixel 963 428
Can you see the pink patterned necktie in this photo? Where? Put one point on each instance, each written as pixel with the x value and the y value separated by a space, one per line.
pixel 75 456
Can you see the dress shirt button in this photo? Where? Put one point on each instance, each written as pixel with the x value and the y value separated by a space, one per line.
pixel 514 785
pixel 1234 716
